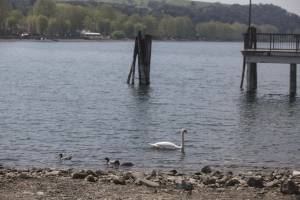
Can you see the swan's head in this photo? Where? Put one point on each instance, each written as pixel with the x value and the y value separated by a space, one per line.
pixel 107 159
pixel 60 155
pixel 183 131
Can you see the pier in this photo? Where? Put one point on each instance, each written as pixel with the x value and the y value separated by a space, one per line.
pixel 269 48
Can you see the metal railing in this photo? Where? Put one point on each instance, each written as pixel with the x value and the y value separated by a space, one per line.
pixel 272 41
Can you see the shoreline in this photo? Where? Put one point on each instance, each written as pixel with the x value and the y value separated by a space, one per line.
pixel 104 40
pixel 207 183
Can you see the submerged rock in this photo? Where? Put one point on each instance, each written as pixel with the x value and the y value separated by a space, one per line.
pixel 99 172
pixel 184 185
pixel 79 175
pixel 128 176
pixel 90 172
pixel 172 172
pixel 218 174
pixel 24 176
pixel 232 182
pixel 52 173
pixel 256 182
pixel 147 183
pixel 91 178
pixel 272 184
pixel 118 180
pixel 139 175
pixel 209 180
pixel 206 170
pixel 289 187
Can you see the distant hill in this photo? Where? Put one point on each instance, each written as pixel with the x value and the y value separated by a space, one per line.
pixel 202 12
pixel 196 10
pixel 120 19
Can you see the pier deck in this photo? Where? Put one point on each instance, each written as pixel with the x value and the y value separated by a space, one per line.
pixel 270 48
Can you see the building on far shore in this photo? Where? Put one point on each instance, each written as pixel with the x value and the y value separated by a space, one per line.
pixel 91 35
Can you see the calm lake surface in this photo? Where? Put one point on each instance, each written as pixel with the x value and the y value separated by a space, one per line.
pixel 72 97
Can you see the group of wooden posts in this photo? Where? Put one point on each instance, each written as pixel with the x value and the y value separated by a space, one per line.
pixel 142 52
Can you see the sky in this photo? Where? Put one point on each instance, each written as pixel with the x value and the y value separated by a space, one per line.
pixel 290 5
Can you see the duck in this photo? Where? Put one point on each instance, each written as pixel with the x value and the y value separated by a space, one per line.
pixel 170 145
pixel 62 157
pixel 116 163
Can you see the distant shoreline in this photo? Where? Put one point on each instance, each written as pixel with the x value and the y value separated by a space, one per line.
pixel 106 40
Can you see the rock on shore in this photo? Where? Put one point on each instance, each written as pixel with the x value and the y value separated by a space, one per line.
pixel 261 182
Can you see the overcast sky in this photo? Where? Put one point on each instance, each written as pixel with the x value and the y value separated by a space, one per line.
pixel 290 5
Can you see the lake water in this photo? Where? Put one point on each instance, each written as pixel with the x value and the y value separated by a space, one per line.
pixel 72 97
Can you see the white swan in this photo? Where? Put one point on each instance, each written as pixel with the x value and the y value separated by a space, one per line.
pixel 170 145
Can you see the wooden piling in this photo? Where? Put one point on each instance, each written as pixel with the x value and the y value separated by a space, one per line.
pixel 293 79
pixel 132 69
pixel 251 77
pixel 243 73
pixel 142 50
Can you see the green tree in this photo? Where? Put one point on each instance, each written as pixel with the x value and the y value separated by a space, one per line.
pixel 139 27
pixel 118 35
pixel 108 12
pixel 220 31
pixel 104 26
pixel 41 24
pixel 184 28
pixel 90 23
pixel 4 12
pixel 31 22
pixel 129 29
pixel 57 27
pixel 151 24
pixel 117 25
pixel 75 14
pixel 44 7
pixel 53 27
pixel 167 27
pixel 267 28
pixel 14 22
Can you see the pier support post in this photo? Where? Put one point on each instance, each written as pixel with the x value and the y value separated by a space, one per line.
pixel 251 77
pixel 293 79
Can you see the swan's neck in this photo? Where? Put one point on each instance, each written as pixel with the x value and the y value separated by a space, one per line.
pixel 182 142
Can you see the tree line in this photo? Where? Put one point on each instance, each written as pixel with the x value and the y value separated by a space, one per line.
pixel 66 20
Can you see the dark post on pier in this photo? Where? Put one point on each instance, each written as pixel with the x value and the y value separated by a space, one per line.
pixel 142 50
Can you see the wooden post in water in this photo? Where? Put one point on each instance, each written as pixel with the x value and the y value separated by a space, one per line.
pixel 250 43
pixel 132 69
pixel 251 77
pixel 293 79
pixel 142 50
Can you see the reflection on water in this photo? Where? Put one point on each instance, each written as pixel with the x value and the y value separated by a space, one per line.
pixel 55 100
pixel 269 127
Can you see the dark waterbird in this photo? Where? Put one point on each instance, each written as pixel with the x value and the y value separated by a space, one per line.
pixel 67 157
pixel 116 163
